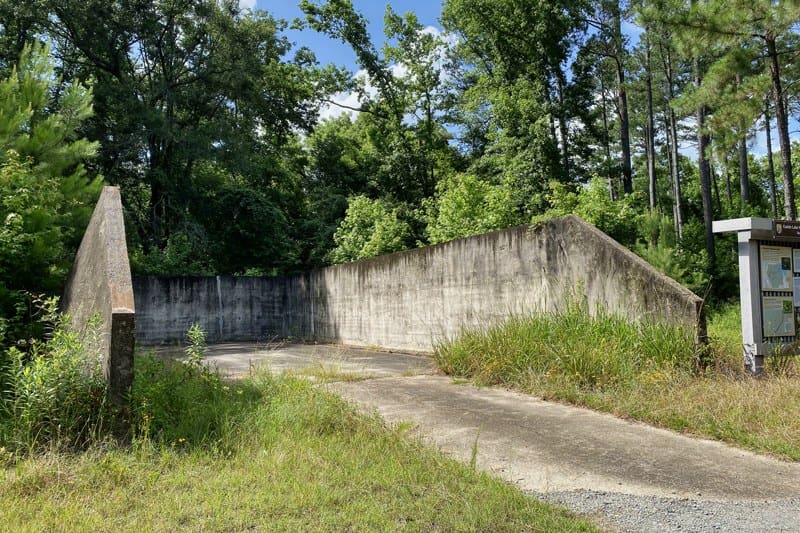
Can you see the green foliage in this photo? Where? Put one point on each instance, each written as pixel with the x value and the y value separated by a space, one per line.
pixel 370 228
pixel 197 345
pixel 659 247
pixel 45 192
pixel 343 163
pixel 465 205
pixel 182 403
pixel 621 219
pixel 183 254
pixel 513 91
pixel 54 396
pixel 179 87
pixel 725 335
pixel 286 456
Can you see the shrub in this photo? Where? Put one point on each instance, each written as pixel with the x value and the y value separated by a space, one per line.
pixel 54 395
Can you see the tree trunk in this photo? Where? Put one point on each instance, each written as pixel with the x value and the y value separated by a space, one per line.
pixel 622 103
pixel 728 189
pixel 673 150
pixel 744 173
pixel 611 189
pixel 773 187
pixel 705 181
pixel 562 125
pixel 715 187
pixel 783 130
pixel 624 131
pixel 651 138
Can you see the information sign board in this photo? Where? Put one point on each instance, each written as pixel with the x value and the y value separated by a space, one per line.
pixel 776 268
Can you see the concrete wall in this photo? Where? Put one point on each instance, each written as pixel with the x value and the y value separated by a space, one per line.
pixel 409 300
pixel 100 282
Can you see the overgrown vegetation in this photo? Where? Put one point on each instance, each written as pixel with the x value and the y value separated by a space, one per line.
pixel 267 453
pixel 53 395
pixel 46 194
pixel 643 371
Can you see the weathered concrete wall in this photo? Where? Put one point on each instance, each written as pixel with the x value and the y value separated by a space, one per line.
pixel 409 300
pixel 100 282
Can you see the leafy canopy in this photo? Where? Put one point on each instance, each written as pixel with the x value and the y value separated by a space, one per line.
pixel 46 193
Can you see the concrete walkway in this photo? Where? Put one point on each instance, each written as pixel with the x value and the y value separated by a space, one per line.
pixel 237 359
pixel 540 446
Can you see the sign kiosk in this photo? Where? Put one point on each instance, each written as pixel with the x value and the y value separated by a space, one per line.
pixel 769 285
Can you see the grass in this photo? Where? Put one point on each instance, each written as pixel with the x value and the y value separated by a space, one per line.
pixel 267 453
pixel 646 372
pixel 323 373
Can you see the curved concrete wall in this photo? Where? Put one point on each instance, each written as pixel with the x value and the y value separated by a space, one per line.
pixel 409 300
pixel 100 282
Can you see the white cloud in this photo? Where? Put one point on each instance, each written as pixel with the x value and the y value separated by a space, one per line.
pixel 342 103
pixel 247 4
pixel 345 102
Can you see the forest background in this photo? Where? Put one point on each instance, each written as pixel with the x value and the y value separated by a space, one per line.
pixel 645 118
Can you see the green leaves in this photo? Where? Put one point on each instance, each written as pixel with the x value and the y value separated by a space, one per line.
pixel 465 205
pixel 370 228
pixel 46 196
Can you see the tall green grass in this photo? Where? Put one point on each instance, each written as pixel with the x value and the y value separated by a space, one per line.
pixel 53 395
pixel 648 372
pixel 266 453
pixel 570 348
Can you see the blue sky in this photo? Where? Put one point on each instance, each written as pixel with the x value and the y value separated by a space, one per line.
pixel 330 51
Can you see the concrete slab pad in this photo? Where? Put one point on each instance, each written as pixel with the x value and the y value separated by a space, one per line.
pixel 547 447
pixel 540 446
pixel 238 359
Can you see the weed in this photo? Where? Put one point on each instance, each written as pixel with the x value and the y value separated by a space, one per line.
pixel 293 457
pixel 641 371
pixel 197 345
pixel 473 457
pixel 55 394
pixel 321 373
pixel 588 352
pixel 268 452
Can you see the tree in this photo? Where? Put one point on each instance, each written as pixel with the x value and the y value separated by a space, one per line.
pixel 405 113
pixel 181 86
pixel 370 228
pixel 745 30
pixel 343 163
pixel 610 43
pixel 465 205
pixel 46 194
pixel 512 58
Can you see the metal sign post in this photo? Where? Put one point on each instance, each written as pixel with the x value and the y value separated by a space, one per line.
pixel 769 284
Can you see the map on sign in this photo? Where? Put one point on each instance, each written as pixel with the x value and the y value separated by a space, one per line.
pixel 778 316
pixel 776 268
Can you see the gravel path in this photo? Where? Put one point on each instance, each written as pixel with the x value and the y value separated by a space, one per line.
pixel 627 513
